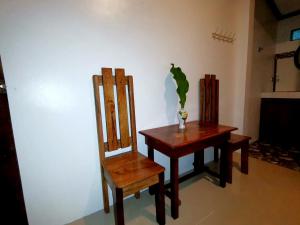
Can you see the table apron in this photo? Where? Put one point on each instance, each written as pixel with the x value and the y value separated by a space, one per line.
pixel 218 140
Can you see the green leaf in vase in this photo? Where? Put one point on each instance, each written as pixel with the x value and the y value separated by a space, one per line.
pixel 182 84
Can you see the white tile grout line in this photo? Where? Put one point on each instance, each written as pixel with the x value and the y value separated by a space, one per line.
pixel 208 215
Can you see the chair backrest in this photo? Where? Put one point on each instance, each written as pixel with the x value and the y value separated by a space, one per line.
pixel 122 85
pixel 209 99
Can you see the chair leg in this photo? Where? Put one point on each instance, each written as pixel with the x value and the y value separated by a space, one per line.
pixel 137 195
pixel 244 158
pixel 160 201
pixel 216 154
pixel 118 206
pixel 104 193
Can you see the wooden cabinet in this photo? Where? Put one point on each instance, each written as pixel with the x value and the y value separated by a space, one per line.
pixel 280 122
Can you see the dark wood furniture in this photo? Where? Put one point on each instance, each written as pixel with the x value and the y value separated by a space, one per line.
pixel 280 122
pixel 175 143
pixel 209 112
pixel 236 142
pixel 11 193
pixel 129 172
pixel 297 58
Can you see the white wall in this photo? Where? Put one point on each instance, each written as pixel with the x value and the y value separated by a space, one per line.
pixel 51 48
pixel 242 58
pixel 259 80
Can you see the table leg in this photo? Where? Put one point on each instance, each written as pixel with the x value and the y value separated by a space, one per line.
pixel 151 153
pixel 223 164
pixel 229 166
pixel 174 188
pixel 151 156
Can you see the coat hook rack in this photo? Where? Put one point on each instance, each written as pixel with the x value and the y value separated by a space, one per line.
pixel 226 37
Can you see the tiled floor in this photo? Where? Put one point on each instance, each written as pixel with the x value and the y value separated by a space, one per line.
pixel 269 195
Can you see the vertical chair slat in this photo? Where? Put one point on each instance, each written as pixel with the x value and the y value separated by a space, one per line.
pixel 132 113
pixel 213 98
pixel 217 102
pixel 202 102
pixel 122 107
pixel 97 80
pixel 207 98
pixel 108 84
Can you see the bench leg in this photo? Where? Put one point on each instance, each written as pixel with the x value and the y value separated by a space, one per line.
pixel 199 161
pixel 244 158
pixel 160 201
pixel 216 154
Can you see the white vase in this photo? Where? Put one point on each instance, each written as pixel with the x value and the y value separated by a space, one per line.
pixel 182 116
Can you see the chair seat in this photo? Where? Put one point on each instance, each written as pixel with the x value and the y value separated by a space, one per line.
pixel 131 168
pixel 236 139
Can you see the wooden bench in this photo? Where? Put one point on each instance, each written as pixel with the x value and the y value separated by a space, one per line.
pixel 236 142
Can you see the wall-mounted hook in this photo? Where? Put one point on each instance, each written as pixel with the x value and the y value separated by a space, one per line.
pixel 223 36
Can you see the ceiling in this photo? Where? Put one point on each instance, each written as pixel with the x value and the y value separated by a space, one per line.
pixel 283 9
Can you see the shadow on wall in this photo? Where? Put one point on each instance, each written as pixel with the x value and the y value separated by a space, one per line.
pixel 171 99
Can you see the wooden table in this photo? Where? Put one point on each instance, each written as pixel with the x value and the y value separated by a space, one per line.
pixel 175 143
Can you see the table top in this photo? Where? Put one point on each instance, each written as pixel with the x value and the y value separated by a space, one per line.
pixel 194 131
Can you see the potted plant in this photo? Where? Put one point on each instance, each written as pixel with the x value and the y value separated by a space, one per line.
pixel 182 89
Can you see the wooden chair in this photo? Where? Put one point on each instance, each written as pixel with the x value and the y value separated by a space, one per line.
pixel 209 112
pixel 129 172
